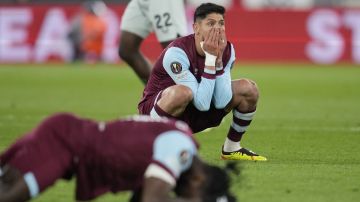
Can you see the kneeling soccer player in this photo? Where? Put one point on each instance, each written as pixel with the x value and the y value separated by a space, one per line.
pixel 151 157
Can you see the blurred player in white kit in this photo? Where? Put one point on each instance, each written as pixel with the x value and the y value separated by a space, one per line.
pixel 166 18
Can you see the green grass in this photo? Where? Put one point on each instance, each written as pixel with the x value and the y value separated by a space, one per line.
pixel 307 124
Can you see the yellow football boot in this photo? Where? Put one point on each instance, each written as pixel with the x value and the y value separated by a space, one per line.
pixel 242 154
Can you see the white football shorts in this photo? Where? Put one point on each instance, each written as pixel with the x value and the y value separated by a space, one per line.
pixel 167 18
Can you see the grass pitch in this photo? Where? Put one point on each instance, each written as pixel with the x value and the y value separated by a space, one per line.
pixel 307 124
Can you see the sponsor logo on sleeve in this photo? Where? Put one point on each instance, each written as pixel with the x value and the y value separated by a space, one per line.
pixel 176 67
pixel 184 157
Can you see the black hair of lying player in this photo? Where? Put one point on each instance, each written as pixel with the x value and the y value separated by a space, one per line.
pixel 217 182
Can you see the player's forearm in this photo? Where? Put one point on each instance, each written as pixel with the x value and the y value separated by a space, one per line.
pixel 222 90
pixel 204 93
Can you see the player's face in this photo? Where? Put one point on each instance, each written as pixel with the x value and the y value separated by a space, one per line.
pixel 212 20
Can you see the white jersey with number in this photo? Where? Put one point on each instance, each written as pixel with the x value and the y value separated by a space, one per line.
pixel 166 18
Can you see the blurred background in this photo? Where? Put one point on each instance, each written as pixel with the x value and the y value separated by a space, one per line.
pixel 303 54
pixel 310 31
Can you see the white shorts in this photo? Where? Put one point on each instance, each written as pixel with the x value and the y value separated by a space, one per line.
pixel 166 18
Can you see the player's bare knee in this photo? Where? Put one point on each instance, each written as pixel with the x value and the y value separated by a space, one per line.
pixel 182 94
pixel 186 93
pixel 179 94
pixel 253 90
pixel 247 89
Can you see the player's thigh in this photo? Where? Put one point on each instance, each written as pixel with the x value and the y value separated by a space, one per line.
pixel 168 19
pixel 135 21
pixel 129 43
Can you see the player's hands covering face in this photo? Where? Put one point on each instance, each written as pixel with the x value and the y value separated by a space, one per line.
pixel 222 43
pixel 211 42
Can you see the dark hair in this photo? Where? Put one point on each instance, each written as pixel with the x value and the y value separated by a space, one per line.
pixel 216 187
pixel 206 8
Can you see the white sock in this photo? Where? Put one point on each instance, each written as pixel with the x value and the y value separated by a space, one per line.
pixel 230 146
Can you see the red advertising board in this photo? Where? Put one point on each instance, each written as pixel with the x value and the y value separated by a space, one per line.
pixel 37 33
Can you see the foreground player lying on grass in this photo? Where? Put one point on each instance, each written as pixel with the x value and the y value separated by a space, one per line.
pixel 106 157
pixel 191 81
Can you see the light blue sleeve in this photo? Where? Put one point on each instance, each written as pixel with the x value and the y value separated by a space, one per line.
pixel 202 92
pixel 223 91
pixel 174 150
